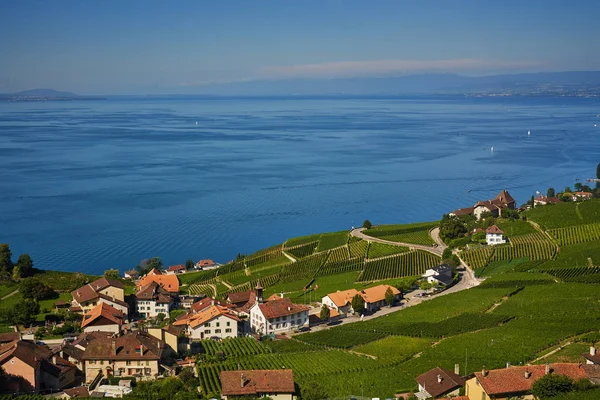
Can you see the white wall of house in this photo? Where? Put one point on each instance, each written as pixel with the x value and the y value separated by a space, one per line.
pixel 494 238
pixel 220 326
pixel 150 308
pixel 329 303
pixel 265 326
pixel 343 310
pixel 102 328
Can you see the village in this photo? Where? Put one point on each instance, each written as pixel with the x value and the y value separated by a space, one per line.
pixel 157 332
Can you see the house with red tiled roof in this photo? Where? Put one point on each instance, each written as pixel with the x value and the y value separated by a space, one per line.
pixel 168 282
pixel 277 316
pixel 374 297
pixel 493 236
pixel 103 290
pixel 134 354
pixel 176 269
pixel 104 318
pixel 495 206
pixel 212 321
pixel 276 384
pixel 35 368
pixel 152 299
pixel 517 381
pixel 439 382
pixel 577 196
pixel 207 263
pixel 592 357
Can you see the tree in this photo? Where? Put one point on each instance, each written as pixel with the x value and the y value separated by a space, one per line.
pixel 452 228
pixel 389 296
pixel 6 264
pixel 112 273
pixel 598 171
pixel 24 312
pixel 532 201
pixel 367 224
pixel 551 192
pixel 447 253
pixel 567 190
pixel 551 385
pixel 32 288
pixel 510 214
pixel 325 313
pixel 26 265
pixel 189 264
pixel 358 304
pixel 155 263
pixel 17 273
pixel 578 186
pixel 424 285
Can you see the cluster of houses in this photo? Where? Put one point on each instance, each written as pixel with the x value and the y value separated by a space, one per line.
pixel 511 382
pixel 542 200
pixel 340 302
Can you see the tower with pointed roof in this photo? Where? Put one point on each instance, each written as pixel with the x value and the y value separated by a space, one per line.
pixel 259 292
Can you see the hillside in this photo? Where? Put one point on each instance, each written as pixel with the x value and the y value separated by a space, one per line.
pixel 540 294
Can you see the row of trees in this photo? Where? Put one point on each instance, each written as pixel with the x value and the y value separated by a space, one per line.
pixel 9 270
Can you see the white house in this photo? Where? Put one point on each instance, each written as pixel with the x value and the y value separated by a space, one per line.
pixel 152 300
pixel 442 275
pixel 213 321
pixel 341 301
pixel 493 235
pixel 277 315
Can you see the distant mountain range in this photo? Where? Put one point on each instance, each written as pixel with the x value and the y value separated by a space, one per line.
pixel 44 95
pixel 530 83
pixel 573 83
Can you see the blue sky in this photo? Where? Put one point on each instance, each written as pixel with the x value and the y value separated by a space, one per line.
pixel 135 47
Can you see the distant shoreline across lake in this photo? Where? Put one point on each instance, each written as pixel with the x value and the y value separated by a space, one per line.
pixel 88 186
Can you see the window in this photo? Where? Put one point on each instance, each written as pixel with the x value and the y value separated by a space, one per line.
pixel 207 331
pixel 270 326
pixel 101 362
pixel 147 362
pixel 207 325
pixel 127 362
pixel 218 324
pixel 92 361
pixel 217 331
pixel 228 330
pixel 139 363
pixel 228 323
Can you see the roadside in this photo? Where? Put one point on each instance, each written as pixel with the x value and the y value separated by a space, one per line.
pixel 466 280
pixel 436 249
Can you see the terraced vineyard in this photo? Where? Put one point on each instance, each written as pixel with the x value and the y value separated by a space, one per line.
pixel 407 264
pixel 377 250
pixel 413 233
pixel 237 347
pixel 576 234
pixel 302 250
pixel 202 289
pixel 305 364
pixel 338 254
pixel 353 264
pixel 358 248
pixel 577 274
pixel 305 267
pixel 264 257
pixel 533 246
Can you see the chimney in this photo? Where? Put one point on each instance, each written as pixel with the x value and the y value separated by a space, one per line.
pixel 484 372
pixel 439 378
pixel 507 364
pixel 456 369
pixel 113 347
pixel 243 380
pixel 527 374
pixel 547 369
pixel 592 351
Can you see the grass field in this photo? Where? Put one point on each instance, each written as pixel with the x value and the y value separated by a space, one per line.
pixel 566 214
pixel 7 288
pixel 515 228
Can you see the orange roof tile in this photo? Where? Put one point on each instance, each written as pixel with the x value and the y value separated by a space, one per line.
pixel 169 282
pixel 341 298
pixel 494 230
pixel 514 380
pixel 257 382
pixel 103 310
pixel 195 320
pixel 377 293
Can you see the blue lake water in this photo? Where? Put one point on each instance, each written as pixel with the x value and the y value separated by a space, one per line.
pixel 92 185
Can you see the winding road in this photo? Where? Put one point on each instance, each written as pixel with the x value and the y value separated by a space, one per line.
pixel 434 233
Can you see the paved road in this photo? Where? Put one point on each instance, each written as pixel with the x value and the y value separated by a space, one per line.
pixel 437 250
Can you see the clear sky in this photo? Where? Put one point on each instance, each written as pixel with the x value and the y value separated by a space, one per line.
pixel 135 47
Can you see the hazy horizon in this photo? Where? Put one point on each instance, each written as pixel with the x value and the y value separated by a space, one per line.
pixel 156 48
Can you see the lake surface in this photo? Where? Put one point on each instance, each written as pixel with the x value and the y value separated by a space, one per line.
pixel 92 185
